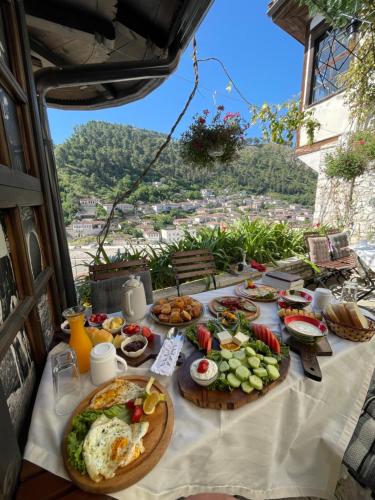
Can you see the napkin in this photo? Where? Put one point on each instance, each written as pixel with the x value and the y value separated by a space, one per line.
pixel 166 360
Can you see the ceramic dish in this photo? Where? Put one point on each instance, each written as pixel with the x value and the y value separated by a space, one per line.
pixel 308 330
pixel 106 324
pixel 200 381
pixel 296 297
pixel 258 293
pixel 134 338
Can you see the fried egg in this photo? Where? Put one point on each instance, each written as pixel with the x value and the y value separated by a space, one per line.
pixel 120 391
pixel 110 444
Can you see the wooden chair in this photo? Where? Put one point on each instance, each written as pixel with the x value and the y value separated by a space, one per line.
pixel 107 281
pixel 122 268
pixel 193 264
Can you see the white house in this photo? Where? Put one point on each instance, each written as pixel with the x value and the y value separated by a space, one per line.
pixel 85 228
pixel 89 202
pixel 326 58
pixel 151 236
pixel 173 235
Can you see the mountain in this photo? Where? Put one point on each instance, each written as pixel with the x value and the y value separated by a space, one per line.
pixel 100 158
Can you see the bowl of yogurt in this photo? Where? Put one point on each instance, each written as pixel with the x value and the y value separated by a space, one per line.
pixel 204 371
pixel 305 329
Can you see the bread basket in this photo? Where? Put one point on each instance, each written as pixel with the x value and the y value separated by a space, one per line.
pixel 352 333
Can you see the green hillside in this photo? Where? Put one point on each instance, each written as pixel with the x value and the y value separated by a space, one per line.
pixel 100 158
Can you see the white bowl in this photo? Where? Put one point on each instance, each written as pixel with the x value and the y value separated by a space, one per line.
pixel 207 382
pixel 112 330
pixel 132 338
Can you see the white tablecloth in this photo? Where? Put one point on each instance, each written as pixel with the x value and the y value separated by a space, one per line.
pixel 289 443
pixel 366 251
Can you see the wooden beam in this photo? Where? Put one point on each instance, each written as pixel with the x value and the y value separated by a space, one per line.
pixel 317 146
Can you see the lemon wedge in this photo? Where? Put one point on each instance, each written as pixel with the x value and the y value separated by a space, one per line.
pixel 151 401
pixel 149 385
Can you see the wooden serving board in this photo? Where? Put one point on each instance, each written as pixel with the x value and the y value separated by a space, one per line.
pixel 249 315
pixel 309 353
pixel 219 400
pixel 155 442
pixel 151 352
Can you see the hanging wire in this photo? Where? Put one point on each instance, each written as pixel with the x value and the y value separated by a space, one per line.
pixel 120 197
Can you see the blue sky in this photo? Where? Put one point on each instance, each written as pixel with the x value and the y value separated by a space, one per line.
pixel 263 61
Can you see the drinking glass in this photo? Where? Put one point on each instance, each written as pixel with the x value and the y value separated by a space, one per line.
pixel 66 381
pixel 349 291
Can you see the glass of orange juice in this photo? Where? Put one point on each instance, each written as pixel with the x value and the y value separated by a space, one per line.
pixel 79 341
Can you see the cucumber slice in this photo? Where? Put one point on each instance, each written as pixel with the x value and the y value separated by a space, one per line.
pixel 260 356
pixel 273 372
pixel 225 354
pixel 241 355
pixel 246 387
pixel 250 351
pixel 260 372
pixel 269 360
pixel 233 380
pixel 234 363
pixel 256 382
pixel 222 376
pixel 224 367
pixel 242 373
pixel 254 362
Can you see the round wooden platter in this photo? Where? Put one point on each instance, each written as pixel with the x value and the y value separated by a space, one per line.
pixel 241 292
pixel 220 400
pixel 249 315
pixel 155 442
pixel 155 318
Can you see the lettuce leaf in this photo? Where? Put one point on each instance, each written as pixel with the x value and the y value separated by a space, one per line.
pixel 80 427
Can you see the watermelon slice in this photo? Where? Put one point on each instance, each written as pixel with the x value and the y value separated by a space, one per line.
pixel 264 334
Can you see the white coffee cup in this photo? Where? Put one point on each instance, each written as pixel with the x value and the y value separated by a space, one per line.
pixel 104 363
pixel 322 299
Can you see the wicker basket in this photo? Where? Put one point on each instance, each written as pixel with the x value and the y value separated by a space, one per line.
pixel 350 332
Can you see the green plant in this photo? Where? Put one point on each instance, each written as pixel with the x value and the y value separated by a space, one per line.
pixel 351 161
pixel 202 138
pixel 83 289
pixel 280 122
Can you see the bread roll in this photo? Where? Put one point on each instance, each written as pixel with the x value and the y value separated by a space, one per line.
pixel 357 318
pixel 98 336
pixel 342 314
pixel 331 314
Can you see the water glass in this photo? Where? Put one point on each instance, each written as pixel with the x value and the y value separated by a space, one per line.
pixel 66 381
pixel 349 291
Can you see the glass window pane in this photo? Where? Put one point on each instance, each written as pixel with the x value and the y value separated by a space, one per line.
pixel 8 289
pixel 3 43
pixel 32 238
pixel 18 378
pixel 13 133
pixel 45 319
pixel 331 61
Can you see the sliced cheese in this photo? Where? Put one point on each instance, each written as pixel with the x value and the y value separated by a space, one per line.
pixel 240 338
pixel 225 337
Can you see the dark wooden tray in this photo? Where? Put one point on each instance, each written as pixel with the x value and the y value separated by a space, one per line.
pixel 219 400
pixel 151 351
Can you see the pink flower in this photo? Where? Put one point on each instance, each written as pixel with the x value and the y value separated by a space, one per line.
pixel 362 142
pixel 201 120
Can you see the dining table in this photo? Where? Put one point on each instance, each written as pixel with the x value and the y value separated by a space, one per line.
pixel 288 443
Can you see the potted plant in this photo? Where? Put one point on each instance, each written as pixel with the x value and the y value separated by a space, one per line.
pixel 353 160
pixel 205 142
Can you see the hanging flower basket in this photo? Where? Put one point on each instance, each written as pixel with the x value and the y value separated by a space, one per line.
pixel 204 143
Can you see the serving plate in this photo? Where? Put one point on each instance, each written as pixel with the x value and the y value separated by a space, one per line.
pixel 305 329
pixel 215 307
pixel 185 323
pixel 251 293
pixel 296 296
pixel 155 442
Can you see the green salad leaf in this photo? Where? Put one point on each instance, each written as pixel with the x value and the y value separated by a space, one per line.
pixel 80 427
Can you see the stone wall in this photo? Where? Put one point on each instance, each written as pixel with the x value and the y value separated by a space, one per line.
pixel 332 201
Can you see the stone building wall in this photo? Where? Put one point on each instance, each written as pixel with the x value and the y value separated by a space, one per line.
pixel 332 201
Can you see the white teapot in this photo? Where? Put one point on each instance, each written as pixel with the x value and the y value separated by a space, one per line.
pixel 134 299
